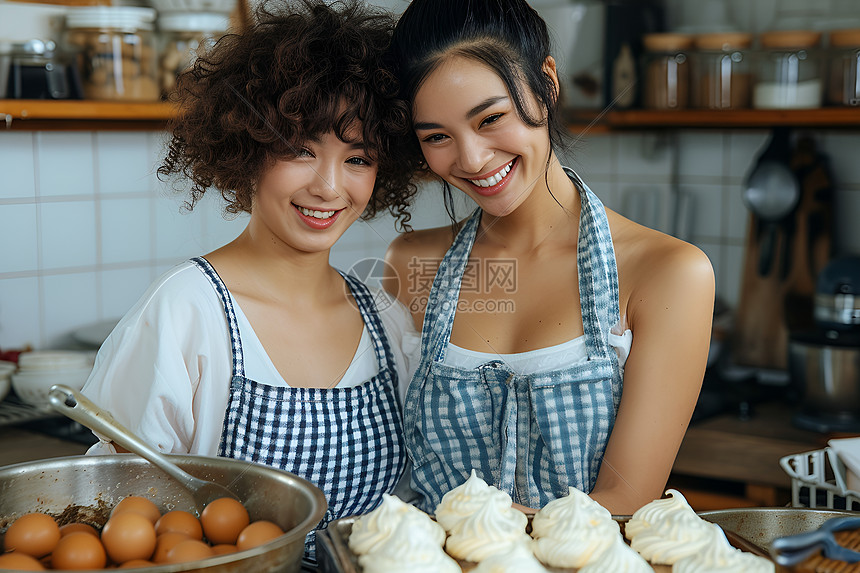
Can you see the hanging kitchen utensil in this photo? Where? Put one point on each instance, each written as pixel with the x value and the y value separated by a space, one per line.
pixel 79 408
pixel 772 192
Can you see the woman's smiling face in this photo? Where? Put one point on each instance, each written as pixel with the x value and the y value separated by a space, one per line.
pixel 473 138
pixel 309 201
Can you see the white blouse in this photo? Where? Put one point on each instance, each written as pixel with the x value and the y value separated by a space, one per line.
pixel 165 370
pixel 540 360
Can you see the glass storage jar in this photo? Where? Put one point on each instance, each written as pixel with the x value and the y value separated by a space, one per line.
pixel 118 59
pixel 844 77
pixel 183 36
pixel 666 70
pixel 788 71
pixel 721 75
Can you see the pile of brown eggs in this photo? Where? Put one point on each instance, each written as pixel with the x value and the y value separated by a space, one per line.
pixel 136 535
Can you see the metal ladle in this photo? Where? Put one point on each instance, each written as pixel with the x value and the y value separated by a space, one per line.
pixel 772 192
pixel 79 408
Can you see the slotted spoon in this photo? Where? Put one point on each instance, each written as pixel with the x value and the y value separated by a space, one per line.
pixel 81 409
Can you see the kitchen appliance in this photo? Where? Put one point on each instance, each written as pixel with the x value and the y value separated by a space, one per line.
pixel 824 362
pixel 576 29
pixel 36 69
pixel 85 488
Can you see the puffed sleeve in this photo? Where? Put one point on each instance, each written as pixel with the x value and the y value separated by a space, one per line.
pixel 150 371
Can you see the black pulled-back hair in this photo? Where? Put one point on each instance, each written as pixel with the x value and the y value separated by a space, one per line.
pixel 508 36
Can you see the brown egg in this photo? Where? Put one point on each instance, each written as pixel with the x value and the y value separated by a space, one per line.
pixel 137 504
pixel 165 543
pixel 35 534
pixel 223 520
pixel 128 536
pixel 180 522
pixel 85 527
pixel 189 550
pixel 258 533
pixel 20 562
pixel 79 550
pixel 223 549
pixel 136 563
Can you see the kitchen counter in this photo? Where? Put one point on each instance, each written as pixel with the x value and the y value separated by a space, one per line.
pixel 722 448
pixel 744 452
pixel 19 444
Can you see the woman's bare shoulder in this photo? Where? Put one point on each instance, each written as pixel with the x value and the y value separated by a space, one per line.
pixel 655 266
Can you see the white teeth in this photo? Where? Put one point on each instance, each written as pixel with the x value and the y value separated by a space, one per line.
pixel 316 214
pixel 494 179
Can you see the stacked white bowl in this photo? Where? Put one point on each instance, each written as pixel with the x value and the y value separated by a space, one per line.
pixel 39 370
pixel 6 370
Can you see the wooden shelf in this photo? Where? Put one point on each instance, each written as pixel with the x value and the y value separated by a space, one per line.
pixel 842 117
pixel 83 115
pixel 98 115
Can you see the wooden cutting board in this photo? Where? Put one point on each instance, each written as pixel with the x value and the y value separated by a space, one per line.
pixel 780 301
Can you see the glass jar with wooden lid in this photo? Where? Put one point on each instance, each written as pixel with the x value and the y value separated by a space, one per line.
pixel 721 74
pixel 788 70
pixel 844 73
pixel 666 70
pixel 118 59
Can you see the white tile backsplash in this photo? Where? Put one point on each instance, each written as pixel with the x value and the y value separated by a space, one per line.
pixel 70 302
pixel 68 231
pixel 123 163
pixel 126 230
pixel 93 227
pixel 16 164
pixel 19 312
pixel 64 163
pixel 19 235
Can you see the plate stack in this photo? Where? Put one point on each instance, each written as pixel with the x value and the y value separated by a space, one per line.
pixel 39 370
pixel 6 370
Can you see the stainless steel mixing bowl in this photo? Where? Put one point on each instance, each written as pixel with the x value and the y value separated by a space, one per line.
pixel 85 488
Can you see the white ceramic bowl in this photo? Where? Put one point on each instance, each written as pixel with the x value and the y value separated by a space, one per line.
pixel 6 370
pixel 220 6
pixel 32 386
pixel 53 360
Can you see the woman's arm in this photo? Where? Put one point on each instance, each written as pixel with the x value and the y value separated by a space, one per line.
pixel 670 310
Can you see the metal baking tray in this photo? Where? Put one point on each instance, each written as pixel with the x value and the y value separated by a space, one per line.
pixel 759 526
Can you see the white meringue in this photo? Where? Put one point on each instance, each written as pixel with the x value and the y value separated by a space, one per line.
pixel 466 499
pixel 667 530
pixel 573 531
pixel 519 559
pixel 490 530
pixel 404 551
pixel 618 558
pixel 371 530
pixel 719 556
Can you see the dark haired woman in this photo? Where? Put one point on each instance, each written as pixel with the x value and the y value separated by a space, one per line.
pixel 562 344
pixel 261 350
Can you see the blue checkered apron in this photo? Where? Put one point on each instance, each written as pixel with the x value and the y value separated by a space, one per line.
pixel 531 436
pixel 347 441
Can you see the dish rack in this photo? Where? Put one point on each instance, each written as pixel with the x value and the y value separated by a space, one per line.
pixel 818 481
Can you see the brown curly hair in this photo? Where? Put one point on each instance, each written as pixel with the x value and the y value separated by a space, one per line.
pixel 300 70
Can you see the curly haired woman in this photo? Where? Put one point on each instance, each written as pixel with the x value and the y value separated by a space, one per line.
pixel 260 350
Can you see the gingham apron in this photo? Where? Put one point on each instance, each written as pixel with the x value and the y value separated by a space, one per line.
pixel 347 441
pixel 531 436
